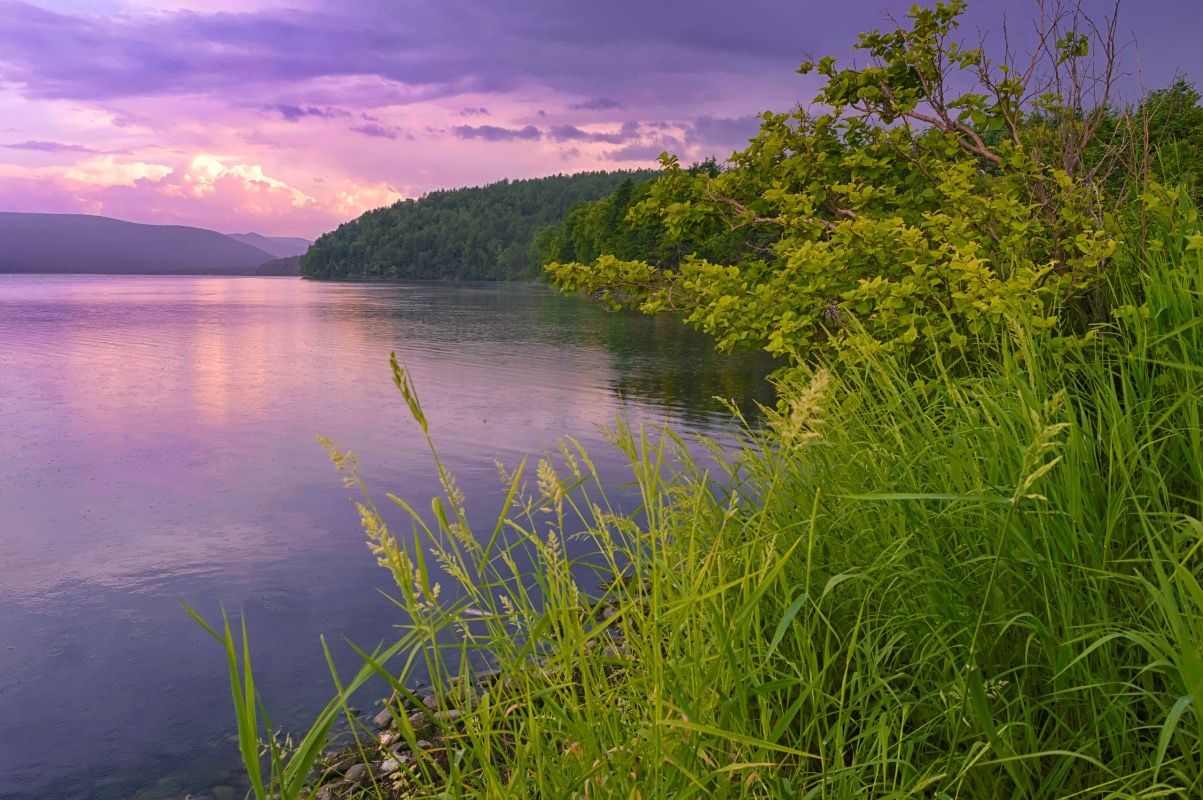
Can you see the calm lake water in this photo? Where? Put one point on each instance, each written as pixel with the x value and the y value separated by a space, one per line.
pixel 157 446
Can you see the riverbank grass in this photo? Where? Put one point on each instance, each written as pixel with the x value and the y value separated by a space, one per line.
pixel 916 581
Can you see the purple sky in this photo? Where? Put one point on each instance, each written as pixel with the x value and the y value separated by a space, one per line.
pixel 290 117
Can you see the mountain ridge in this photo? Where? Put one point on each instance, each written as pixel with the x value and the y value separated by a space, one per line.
pixel 93 244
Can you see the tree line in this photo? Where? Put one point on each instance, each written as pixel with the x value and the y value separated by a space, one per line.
pixel 477 233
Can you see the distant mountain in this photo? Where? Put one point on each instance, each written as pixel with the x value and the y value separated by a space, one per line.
pixel 278 246
pixel 83 243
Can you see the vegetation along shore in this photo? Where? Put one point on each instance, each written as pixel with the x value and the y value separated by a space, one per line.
pixel 960 558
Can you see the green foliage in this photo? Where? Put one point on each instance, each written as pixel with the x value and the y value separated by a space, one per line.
pixel 478 233
pixel 980 584
pixel 890 209
pixel 619 225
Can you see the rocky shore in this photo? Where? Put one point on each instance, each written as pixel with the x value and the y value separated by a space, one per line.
pixel 405 743
pixel 410 733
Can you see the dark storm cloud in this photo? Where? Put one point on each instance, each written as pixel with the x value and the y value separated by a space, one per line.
pixel 440 47
pixel 621 53
pixel 493 133
pixel 51 147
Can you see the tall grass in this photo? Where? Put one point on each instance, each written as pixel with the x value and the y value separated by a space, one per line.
pixel 910 584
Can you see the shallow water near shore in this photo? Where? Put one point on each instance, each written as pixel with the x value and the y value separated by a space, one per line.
pixel 157 446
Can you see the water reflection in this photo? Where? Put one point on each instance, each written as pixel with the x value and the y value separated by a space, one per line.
pixel 157 445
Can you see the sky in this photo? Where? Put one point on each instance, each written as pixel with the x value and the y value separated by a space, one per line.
pixel 288 117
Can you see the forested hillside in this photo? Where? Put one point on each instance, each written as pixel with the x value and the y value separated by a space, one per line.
pixel 478 233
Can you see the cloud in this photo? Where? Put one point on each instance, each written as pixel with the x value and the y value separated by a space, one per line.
pixel 294 113
pixel 109 171
pixel 734 131
pixel 571 133
pixel 493 133
pixel 434 49
pixel 204 189
pixel 50 147
pixel 596 104
pixel 472 112
pixel 378 131
pixel 644 152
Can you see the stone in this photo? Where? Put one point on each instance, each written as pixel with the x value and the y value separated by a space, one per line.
pixel 389 766
pixel 422 744
pixel 383 719
pixel 324 793
pixel 489 675
pixel 345 763
pixel 444 717
pixel 421 721
pixel 388 738
pixel 430 701
pixel 358 774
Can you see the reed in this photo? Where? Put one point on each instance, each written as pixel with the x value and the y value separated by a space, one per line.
pixel 931 580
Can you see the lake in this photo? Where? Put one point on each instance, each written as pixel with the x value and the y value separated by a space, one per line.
pixel 157 447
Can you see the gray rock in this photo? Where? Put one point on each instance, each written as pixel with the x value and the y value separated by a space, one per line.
pixel 421 721
pixel 383 719
pixel 343 764
pixel 445 717
pixel 422 744
pixel 324 793
pixel 357 774
pixel 430 701
pixel 488 675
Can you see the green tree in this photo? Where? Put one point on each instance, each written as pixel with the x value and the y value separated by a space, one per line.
pixel 920 206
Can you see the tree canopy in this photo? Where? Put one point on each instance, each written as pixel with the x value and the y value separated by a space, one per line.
pixel 477 233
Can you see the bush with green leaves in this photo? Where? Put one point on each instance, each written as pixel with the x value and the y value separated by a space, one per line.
pixel 922 211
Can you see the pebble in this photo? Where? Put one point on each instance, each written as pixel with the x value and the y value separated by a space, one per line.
pixel 450 715
pixel 382 719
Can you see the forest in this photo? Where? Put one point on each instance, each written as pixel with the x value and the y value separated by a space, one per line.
pixel 476 233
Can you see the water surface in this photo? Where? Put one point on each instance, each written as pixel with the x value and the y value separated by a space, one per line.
pixel 157 446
